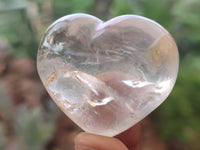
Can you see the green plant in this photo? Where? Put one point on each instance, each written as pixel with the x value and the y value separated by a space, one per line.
pixel 119 7
pixel 178 117
pixel 187 13
pixel 2 137
pixel 64 7
pixel 15 27
pixel 32 128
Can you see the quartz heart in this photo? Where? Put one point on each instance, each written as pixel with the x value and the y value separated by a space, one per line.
pixel 107 76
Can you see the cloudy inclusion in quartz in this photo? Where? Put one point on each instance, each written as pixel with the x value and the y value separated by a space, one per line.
pixel 107 76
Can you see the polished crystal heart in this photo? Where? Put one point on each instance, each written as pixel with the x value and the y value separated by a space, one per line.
pixel 107 76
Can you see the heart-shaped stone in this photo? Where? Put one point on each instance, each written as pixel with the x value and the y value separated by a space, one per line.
pixel 107 76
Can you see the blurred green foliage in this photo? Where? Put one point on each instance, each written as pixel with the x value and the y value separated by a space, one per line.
pixel 121 7
pixel 15 27
pixel 178 117
pixel 158 10
pixel 32 129
pixel 64 7
pixel 2 137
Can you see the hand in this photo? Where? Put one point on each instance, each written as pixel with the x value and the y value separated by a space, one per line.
pixel 128 140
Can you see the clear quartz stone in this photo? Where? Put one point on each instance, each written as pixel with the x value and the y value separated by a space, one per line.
pixel 107 76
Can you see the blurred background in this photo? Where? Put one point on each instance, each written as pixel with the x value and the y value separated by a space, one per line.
pixel 29 119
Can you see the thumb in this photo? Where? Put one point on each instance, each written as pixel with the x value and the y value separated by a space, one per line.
pixel 88 141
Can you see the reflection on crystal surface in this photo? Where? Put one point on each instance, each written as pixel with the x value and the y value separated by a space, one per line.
pixel 107 76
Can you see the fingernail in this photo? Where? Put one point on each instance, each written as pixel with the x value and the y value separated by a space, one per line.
pixel 78 147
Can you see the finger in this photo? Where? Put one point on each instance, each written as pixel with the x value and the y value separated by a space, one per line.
pixel 131 137
pixel 87 141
